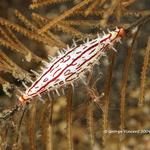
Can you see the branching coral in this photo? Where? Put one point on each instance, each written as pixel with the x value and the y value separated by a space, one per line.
pixel 34 37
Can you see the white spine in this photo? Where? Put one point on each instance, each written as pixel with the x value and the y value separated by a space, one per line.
pixel 26 87
pixel 34 72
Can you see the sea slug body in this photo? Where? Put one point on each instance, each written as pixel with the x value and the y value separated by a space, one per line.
pixel 71 64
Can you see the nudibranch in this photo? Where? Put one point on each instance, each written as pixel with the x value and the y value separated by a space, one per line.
pixel 71 64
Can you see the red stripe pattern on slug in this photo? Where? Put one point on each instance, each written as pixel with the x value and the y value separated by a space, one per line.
pixel 69 66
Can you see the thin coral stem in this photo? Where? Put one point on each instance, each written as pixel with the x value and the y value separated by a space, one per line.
pixel 39 4
pixel 31 127
pixel 124 82
pixel 90 124
pixel 69 118
pixel 62 16
pixel 50 126
pixel 143 73
pixel 25 32
pixel 107 96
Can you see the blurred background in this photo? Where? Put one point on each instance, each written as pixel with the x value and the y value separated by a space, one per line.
pixel 74 121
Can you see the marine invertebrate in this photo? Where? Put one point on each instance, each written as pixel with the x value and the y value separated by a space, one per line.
pixel 71 64
pixel 32 37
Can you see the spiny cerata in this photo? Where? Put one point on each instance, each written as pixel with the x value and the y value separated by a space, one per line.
pixel 71 64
